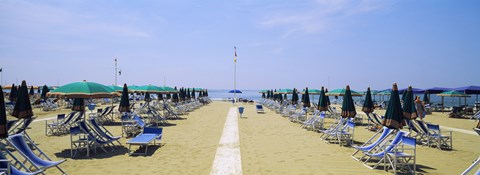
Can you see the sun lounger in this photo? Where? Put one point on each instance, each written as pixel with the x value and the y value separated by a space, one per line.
pixel 259 108
pixel 18 142
pixel 145 138
pixel 8 168
pixel 102 131
pixel 370 146
pixel 403 157
pixel 59 127
pixel 380 154
pixel 438 138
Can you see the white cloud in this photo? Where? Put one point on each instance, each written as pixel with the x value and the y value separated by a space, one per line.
pixel 318 15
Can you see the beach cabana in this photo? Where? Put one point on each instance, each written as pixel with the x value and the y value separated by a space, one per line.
pixel 469 90
pixel 453 94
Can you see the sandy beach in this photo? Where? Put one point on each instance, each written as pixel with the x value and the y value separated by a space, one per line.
pixel 269 144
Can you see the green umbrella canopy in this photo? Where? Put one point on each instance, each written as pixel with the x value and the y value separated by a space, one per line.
pixel 394 115
pixel 78 104
pixel 3 116
pixel 169 90
pixel 306 102
pixel 322 101
pixel 13 93
pixel 23 108
pixel 116 88
pixel 285 91
pixel 263 91
pixel 45 90
pixel 368 103
pixel 385 92
pixel 453 94
pixel 196 89
pixel 348 107
pixel 124 101
pixel 133 88
pixel 341 92
pixel 83 89
pixel 409 110
pixel 312 92
pixel 150 89
pixel 426 100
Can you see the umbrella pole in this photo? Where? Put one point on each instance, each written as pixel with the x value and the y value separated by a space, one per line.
pixel 443 104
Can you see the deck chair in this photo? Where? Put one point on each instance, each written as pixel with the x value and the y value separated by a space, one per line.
pixel 18 142
pixel 346 134
pixel 156 118
pixel 334 128
pixel 59 127
pixel 438 138
pixel 403 155
pixel 170 112
pixel 102 131
pixel 476 162
pixel 145 138
pixel 259 108
pixel 380 154
pixel 9 169
pixel 106 115
pixel 90 138
pixel 370 146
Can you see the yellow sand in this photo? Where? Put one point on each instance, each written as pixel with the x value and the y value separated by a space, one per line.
pixel 269 144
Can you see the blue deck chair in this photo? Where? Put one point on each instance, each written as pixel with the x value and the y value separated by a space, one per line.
pixel 145 138
pixel 102 131
pixel 170 112
pixel 346 134
pixel 8 168
pixel 438 138
pixel 333 131
pixel 476 162
pixel 259 108
pixel 94 140
pixel 385 133
pixel 18 142
pixel 387 148
pixel 401 156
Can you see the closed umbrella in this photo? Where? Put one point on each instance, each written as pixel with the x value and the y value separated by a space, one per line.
pixel 124 101
pixel 268 94
pixel 13 93
pixel 78 104
pixel 348 107
pixel 160 96
pixel 327 97
pixel 322 101
pixel 32 92
pixel 193 93
pixel 285 97
pixel 23 108
pixel 295 96
pixel 426 100
pixel 45 90
pixel 306 101
pixel 147 97
pixel 368 103
pixel 394 115
pixel 3 116
pixel 409 110
pixel 188 94
pixel 175 96
pixel 206 92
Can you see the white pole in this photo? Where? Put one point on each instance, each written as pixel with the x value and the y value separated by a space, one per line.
pixel 115 71
pixel 235 77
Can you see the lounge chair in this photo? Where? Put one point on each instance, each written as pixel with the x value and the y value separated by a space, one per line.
pixel 370 146
pixel 259 108
pixel 145 138
pixel 102 131
pixel 403 155
pixel 18 142
pixel 87 139
pixel 346 134
pixel 59 127
pixel 380 154
pixel 438 139
pixel 8 168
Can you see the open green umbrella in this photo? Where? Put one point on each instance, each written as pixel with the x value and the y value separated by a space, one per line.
pixel 3 116
pixel 368 103
pixel 394 115
pixel 322 101
pixel 426 100
pixel 409 110
pixel 124 101
pixel 83 89
pixel 116 88
pixel 45 90
pixel 13 93
pixel 23 108
pixel 341 92
pixel 348 107
pixel 149 88
pixel 306 100
pixel 312 92
pixel 285 91
pixel 78 104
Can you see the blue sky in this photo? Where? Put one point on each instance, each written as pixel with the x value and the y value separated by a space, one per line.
pixel 280 44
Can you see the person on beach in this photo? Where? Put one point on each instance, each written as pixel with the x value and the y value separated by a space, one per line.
pixel 420 108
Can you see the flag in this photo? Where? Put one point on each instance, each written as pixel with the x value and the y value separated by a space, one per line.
pixel 115 60
pixel 120 72
pixel 235 59
pixel 1 69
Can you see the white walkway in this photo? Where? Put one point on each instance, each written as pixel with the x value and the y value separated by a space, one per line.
pixel 227 158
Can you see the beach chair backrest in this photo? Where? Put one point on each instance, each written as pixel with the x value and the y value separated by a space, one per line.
pixel 395 141
pixel 409 141
pixel 4 165
pixel 433 128
pixel 422 126
pixel 322 115
pixel 139 121
pixel 10 123
pixel 60 116
pixel 149 130
pixel 20 145
pixel 350 124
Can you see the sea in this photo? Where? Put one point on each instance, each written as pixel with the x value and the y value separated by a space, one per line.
pixel 222 94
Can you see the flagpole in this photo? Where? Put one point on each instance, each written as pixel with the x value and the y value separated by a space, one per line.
pixel 235 77
pixel 115 71
pixel 1 76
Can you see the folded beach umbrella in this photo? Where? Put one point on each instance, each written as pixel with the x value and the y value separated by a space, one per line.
pixel 84 89
pixel 285 97
pixel 13 93
pixel 175 96
pixel 168 96
pixel 268 94
pixel 394 115
pixel 38 90
pixel 147 96
pixel 306 100
pixel 327 97
pixel 193 93
pixel 206 92
pixel 31 91
pixel 322 101
pixel 124 101
pixel 294 96
pixel 45 90
pixel 188 94
pixel 368 103
pixel 23 108
pixel 426 100
pixel 348 107
pixel 280 97
pixel 409 110
pixel 160 96
pixel 263 95
pixel 3 116
pixel 78 104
